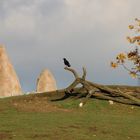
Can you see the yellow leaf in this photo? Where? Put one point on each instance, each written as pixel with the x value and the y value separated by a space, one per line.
pixel 136 19
pixel 138 68
pixel 121 57
pixel 136 38
pixel 114 65
pixel 131 27
pixel 133 74
pixel 130 40
pixel 139 43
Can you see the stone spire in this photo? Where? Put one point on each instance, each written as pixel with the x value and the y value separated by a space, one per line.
pixel 46 82
pixel 9 82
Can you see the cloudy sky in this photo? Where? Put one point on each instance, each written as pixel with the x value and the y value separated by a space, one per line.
pixel 39 33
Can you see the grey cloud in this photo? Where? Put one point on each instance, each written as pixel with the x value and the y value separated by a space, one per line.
pixel 39 33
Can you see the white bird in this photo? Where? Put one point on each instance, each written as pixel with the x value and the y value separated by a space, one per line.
pixel 111 102
pixel 81 104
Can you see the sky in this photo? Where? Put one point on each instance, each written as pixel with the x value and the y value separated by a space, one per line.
pixel 38 34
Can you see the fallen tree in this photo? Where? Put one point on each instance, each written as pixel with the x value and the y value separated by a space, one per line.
pixel 89 89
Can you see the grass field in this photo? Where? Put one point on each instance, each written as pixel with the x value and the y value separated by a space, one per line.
pixel 32 117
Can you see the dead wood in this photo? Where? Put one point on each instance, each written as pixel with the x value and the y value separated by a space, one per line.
pixel 90 89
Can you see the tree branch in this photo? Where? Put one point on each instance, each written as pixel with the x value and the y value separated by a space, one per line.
pixel 73 71
pixel 84 73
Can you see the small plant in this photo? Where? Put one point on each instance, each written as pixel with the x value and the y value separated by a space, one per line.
pixel 133 56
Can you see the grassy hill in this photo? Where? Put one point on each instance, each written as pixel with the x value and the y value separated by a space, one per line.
pixel 35 117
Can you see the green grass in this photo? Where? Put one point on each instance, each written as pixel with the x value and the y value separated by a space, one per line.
pixel 97 120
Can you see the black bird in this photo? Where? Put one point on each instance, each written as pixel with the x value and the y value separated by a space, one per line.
pixel 66 62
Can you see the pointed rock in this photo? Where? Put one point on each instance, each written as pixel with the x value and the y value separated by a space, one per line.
pixel 9 82
pixel 46 82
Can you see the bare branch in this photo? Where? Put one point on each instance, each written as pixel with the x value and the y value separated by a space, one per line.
pixel 123 101
pixel 72 86
pixel 73 71
pixel 90 93
pixel 84 73
pixel 129 97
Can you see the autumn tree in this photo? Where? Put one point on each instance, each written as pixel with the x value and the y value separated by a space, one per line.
pixel 133 56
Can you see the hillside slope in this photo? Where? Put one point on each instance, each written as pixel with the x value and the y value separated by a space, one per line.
pixel 31 117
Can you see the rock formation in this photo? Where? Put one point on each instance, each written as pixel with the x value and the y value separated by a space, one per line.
pixel 46 82
pixel 9 83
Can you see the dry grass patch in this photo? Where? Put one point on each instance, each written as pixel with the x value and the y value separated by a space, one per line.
pixel 5 135
pixel 36 104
